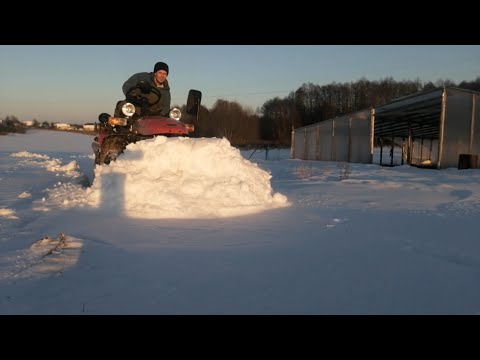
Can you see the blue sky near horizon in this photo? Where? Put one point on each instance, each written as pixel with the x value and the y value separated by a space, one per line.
pixel 75 83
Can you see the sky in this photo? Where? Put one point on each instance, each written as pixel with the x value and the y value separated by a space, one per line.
pixel 75 83
pixel 193 226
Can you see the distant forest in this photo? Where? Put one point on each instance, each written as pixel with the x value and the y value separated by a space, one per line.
pixel 271 125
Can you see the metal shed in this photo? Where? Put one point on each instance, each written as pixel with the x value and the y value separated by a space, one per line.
pixel 434 128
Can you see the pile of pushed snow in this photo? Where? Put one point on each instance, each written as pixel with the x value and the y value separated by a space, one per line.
pixel 177 178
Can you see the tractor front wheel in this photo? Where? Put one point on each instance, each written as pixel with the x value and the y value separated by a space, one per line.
pixel 111 148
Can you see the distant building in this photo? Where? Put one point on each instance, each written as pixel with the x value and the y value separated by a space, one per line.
pixel 89 127
pixel 27 122
pixel 62 126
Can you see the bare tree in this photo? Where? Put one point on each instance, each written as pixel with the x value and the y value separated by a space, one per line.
pixel 279 117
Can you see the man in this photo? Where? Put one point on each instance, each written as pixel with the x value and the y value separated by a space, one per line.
pixel 157 79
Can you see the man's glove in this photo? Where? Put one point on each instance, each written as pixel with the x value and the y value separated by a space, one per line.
pixel 144 87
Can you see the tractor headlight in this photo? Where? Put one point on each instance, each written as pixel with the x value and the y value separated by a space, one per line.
pixel 128 109
pixel 175 113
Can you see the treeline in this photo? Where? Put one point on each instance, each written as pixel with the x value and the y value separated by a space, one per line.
pixel 307 105
pixel 11 124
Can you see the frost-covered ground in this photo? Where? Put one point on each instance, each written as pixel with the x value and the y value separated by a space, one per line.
pixel 210 232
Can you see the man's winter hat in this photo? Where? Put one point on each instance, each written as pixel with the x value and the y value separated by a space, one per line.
pixel 160 66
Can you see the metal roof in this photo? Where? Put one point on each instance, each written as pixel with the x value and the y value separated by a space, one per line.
pixel 417 115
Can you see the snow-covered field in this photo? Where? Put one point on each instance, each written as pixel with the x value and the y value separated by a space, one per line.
pixel 203 230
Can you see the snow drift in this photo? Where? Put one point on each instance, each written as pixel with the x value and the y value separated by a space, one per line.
pixel 176 178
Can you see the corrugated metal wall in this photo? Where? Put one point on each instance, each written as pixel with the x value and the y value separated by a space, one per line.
pixel 324 143
pixel 461 133
pixel 476 125
pixel 346 138
pixel 360 149
pixel 341 140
